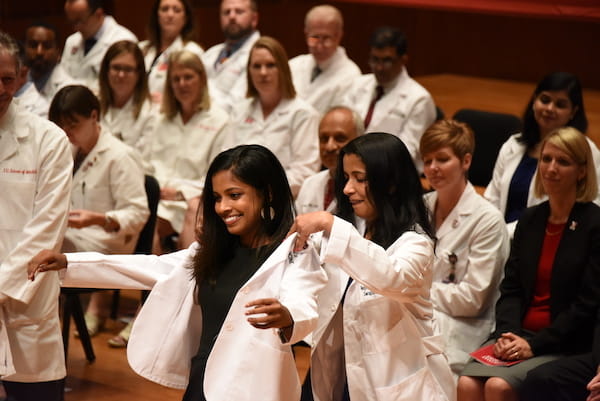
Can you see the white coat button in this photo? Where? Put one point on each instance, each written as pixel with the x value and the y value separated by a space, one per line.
pixel 245 290
pixel 333 308
pixel 229 327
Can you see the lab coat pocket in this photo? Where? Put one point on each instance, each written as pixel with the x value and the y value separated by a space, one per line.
pixel 98 199
pixel 421 385
pixel 381 319
pixel 17 199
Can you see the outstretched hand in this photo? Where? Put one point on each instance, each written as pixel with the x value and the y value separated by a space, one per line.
pixel 44 261
pixel 307 224
pixel 272 314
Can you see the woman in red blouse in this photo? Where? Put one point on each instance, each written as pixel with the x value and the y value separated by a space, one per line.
pixel 548 279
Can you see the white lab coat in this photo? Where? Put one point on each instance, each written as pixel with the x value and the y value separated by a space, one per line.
pixel 385 327
pixel 32 101
pixel 508 160
pixel 59 78
pixel 157 70
pixel 136 133
pixel 227 82
pixel 311 197
pixel 87 67
pixel 463 311
pixel 181 154
pixel 330 86
pixel 290 132
pixel 166 334
pixel 405 110
pixel 110 180
pixel 35 174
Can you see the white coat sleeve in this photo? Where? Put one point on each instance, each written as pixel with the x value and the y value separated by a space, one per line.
pixel 141 272
pixel 488 250
pixel 493 190
pixel 302 280
pixel 304 148
pixel 129 194
pixel 48 222
pixel 400 274
pixel 420 117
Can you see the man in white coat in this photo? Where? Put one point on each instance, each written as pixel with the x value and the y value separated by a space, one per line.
pixel 338 126
pixel 35 175
pixel 324 75
pixel 225 63
pixel 41 56
pixel 389 99
pixel 85 49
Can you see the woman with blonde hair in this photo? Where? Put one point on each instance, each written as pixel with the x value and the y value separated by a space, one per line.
pixel 170 29
pixel 274 117
pixel 187 137
pixel 551 275
pixel 125 107
pixel 472 242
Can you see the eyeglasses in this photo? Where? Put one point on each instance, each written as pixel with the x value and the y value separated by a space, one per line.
pixel 386 62
pixel 125 69
pixel 324 40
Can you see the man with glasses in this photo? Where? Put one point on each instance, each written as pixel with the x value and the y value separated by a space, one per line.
pixel 41 56
pixel 225 63
pixel 388 99
pixel 324 75
pixel 96 31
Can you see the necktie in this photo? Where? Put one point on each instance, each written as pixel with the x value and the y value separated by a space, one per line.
pixel 315 73
pixel 223 55
pixel 329 193
pixel 88 44
pixel 378 95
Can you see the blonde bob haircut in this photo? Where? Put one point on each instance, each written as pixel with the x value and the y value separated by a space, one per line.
pixel 575 145
pixel 448 133
pixel 286 86
pixel 170 105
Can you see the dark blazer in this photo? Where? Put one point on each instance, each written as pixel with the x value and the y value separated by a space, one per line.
pixel 574 285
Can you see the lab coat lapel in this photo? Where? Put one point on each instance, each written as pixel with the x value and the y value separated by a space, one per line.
pixel 9 134
pixel 463 208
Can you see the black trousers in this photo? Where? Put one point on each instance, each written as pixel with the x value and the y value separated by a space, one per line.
pixel 46 391
pixel 562 380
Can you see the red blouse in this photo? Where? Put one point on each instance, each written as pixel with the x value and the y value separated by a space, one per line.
pixel 538 314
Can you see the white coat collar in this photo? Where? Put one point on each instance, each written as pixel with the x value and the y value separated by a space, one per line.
pixel 463 208
pixel 9 134
pixel 284 252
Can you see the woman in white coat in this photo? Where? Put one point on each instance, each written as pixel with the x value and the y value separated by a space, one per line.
pixel 171 28
pixel 108 200
pixel 374 340
pixel 125 107
pixel 237 300
pixel 188 136
pixel 556 102
pixel 472 243
pixel 274 117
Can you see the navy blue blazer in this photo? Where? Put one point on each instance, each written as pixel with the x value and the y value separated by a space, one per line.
pixel 574 285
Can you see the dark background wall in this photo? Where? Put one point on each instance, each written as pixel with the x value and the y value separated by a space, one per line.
pixel 440 41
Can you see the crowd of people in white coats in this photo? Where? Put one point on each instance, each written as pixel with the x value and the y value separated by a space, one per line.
pixel 292 209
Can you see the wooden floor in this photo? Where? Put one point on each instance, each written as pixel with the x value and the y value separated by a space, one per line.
pixel 110 378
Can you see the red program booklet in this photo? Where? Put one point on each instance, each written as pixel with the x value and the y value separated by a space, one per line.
pixel 486 356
